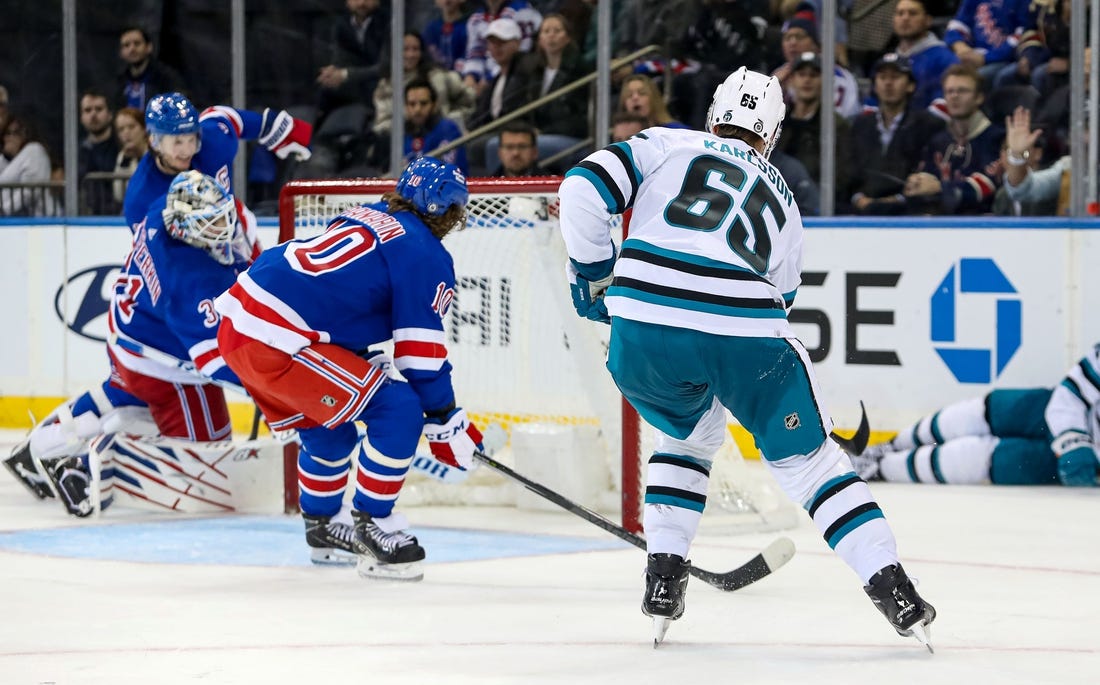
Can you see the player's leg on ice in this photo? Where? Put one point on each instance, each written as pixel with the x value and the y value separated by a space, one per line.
pixel 772 390
pixel 324 461
pixel 671 394
pixel 394 420
pixel 974 460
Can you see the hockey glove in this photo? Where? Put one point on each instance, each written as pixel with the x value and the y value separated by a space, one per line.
pixel 284 135
pixel 588 295
pixel 453 438
pixel 1077 459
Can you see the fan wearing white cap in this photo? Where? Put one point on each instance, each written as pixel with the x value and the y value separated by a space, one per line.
pixel 522 24
pixel 507 89
pixel 698 297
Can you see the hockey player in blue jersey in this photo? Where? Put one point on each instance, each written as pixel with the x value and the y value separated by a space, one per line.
pixel 697 298
pixel 162 342
pixel 1034 436
pixel 296 328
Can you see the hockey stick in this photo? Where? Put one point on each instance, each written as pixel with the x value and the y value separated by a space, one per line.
pixel 855 445
pixel 763 564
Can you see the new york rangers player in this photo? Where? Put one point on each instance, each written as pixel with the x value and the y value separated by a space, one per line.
pixel 296 328
pixel 697 298
pixel 162 342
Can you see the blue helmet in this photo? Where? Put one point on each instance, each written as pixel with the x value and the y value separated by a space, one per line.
pixel 171 114
pixel 433 186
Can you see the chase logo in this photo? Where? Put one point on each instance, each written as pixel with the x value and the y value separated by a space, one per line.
pixel 90 291
pixel 976 277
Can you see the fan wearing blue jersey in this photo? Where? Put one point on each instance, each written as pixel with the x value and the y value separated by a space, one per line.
pixel 697 298
pixel 162 341
pixel 296 328
pixel 1032 436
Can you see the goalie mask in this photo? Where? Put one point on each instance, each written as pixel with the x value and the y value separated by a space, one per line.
pixel 200 212
pixel 432 186
pixel 751 101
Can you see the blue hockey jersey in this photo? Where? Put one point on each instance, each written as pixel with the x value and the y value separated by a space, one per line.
pixel 162 320
pixel 369 277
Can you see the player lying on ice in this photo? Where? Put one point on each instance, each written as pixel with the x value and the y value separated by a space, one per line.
pixel 294 328
pixel 1036 436
pixel 697 299
pixel 163 350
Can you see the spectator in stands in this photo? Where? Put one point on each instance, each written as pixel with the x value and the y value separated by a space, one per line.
pixel 887 142
pixel 627 124
pixel 144 75
pixel 132 143
pixel 961 165
pixel 454 100
pixel 4 111
pixel 519 152
pixel 98 152
pixel 999 39
pixel 1053 23
pixel 801 136
pixel 507 91
pixel 928 56
pixel 556 62
pixel 482 65
pixel 639 95
pixel 445 36
pixel 800 37
pixel 425 128
pixel 358 42
pixel 725 37
pixel 840 33
pixel 1029 190
pixel 28 162
pixel 806 193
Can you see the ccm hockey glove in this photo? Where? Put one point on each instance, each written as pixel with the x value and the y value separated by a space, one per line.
pixel 453 438
pixel 588 295
pixel 284 135
pixel 1077 459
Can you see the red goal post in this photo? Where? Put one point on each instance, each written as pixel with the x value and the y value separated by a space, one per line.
pixel 508 220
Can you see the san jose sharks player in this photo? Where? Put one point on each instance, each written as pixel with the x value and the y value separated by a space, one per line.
pixel 296 328
pixel 163 338
pixel 1033 436
pixel 697 298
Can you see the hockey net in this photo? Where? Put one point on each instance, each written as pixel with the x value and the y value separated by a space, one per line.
pixel 530 372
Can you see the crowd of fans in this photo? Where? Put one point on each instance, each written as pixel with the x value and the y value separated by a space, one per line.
pixel 924 94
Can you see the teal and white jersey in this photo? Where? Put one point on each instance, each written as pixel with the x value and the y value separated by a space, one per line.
pixel 1075 402
pixel 715 236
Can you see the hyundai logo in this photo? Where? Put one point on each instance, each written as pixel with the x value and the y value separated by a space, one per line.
pixel 81 303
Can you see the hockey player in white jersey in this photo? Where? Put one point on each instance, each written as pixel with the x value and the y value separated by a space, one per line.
pixel 697 298
pixel 1032 436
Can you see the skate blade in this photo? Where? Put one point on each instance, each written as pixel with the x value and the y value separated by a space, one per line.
pixel 923 634
pixel 35 483
pixel 373 569
pixel 331 557
pixel 660 627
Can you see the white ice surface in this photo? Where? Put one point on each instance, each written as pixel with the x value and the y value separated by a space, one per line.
pixel 1014 574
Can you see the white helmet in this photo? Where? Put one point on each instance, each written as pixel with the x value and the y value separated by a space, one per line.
pixel 752 101
pixel 200 212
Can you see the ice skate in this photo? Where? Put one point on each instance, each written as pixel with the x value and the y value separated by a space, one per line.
pixel 384 550
pixel 330 542
pixel 894 595
pixel 70 483
pixel 866 465
pixel 666 580
pixel 22 466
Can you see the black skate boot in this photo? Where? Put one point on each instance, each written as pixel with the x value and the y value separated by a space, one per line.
pixel 330 542
pixel 894 595
pixel 71 483
pixel 666 578
pixel 385 551
pixel 21 465
pixel 868 464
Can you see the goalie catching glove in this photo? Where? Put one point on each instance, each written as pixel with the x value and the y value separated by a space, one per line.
pixel 588 294
pixel 284 135
pixel 1077 459
pixel 452 437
